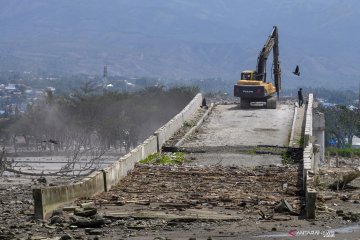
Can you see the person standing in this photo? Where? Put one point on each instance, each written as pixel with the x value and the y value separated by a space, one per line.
pixel 300 97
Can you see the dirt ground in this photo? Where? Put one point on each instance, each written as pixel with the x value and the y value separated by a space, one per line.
pixel 337 201
pixel 187 202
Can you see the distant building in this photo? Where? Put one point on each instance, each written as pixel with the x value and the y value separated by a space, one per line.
pixel 355 142
pixel 10 87
pixel 352 107
pixel 52 89
pixel 327 104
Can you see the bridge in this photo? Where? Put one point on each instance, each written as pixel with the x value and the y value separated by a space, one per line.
pixel 245 166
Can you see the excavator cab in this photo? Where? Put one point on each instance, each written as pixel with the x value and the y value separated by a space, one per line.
pixel 248 75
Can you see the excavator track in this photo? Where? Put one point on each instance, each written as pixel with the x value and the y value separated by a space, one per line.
pixel 244 103
pixel 271 102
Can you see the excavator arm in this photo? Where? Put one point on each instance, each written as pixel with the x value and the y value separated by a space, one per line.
pixel 263 55
pixel 276 67
pixel 272 43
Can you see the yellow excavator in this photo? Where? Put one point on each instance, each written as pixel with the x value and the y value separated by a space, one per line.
pixel 253 89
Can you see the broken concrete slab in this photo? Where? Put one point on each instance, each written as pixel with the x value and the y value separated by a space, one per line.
pixel 283 206
pixel 85 212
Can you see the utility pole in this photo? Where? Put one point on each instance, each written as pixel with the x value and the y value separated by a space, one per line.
pixel 104 80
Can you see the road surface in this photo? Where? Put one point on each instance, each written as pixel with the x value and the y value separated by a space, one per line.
pixel 229 126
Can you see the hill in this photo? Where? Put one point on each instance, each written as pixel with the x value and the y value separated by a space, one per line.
pixel 175 39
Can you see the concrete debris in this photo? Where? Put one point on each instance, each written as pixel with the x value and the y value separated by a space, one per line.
pixel 345 179
pixel 57 212
pixel 345 197
pixel 50 227
pixel 7 235
pixel 87 205
pixel 65 237
pixel 42 180
pixel 353 217
pixel 283 206
pixel 56 219
pixel 91 231
pixel 325 197
pixel 69 208
pixel 85 212
pixel 95 222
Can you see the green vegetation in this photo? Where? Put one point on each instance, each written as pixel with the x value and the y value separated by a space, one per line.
pixel 176 158
pixel 301 141
pixel 343 152
pixel 188 124
pixel 287 158
pixel 251 151
pixel 342 123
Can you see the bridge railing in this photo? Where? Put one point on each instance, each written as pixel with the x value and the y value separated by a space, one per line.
pixel 310 161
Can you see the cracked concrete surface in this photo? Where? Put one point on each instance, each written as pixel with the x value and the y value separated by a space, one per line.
pixel 230 126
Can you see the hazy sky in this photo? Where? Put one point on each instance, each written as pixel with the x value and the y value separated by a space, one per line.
pixel 182 38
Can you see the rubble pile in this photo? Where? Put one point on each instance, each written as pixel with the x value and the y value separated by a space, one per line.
pixel 338 202
pixel 184 187
pixel 16 210
pixel 175 198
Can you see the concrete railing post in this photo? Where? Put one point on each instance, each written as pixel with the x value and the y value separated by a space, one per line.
pixel 310 203
pixel 38 204
pixel 316 158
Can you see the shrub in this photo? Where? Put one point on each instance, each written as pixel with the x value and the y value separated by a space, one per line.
pixel 176 158
pixel 343 152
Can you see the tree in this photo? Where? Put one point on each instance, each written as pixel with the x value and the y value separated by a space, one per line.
pixel 88 123
pixel 342 123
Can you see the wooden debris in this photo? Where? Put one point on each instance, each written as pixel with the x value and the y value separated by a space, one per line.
pixel 189 187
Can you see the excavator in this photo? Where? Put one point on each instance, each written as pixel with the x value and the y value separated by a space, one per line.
pixel 253 89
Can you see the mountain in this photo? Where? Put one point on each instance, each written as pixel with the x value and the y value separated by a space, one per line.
pixel 182 39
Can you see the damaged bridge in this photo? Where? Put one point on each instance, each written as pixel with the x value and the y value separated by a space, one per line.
pixel 241 168
pixel 235 137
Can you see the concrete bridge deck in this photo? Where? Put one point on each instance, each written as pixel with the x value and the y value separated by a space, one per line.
pixel 230 129
pixel 230 126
